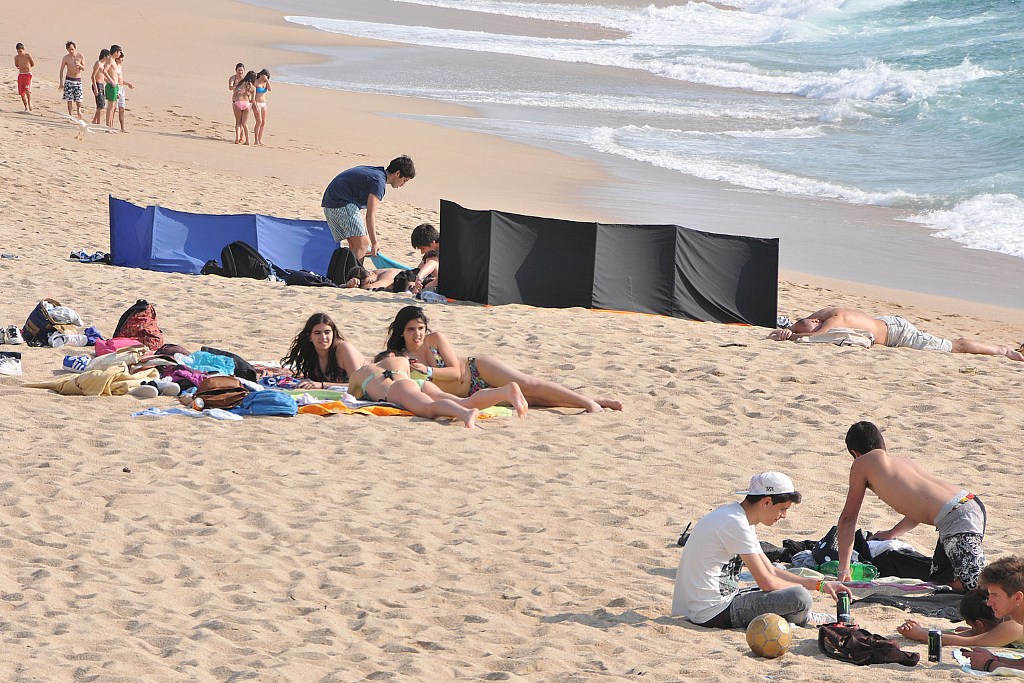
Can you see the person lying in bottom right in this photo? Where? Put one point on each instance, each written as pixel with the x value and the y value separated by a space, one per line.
pixel 431 353
pixel 387 378
pixel 983 627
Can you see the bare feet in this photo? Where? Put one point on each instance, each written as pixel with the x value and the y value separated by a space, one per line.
pixel 470 418
pixel 516 399
pixel 1013 354
pixel 610 403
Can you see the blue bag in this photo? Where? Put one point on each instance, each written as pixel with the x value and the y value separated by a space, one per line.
pixel 267 402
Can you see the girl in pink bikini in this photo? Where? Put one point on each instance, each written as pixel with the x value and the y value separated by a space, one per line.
pixel 241 101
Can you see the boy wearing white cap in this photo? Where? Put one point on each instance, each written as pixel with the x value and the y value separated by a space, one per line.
pixel 722 542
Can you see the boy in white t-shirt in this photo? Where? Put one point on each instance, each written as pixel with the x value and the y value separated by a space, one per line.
pixel 722 542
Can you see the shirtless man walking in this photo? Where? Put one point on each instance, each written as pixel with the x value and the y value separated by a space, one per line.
pixel 889 330
pixel 111 82
pixel 24 62
pixel 70 78
pixel 921 498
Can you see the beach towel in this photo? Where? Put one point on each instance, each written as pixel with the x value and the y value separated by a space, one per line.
pixel 965 663
pixel 382 410
pixel 841 336
pixel 109 381
pixel 939 605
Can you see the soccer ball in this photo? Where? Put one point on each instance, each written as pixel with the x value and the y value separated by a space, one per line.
pixel 769 635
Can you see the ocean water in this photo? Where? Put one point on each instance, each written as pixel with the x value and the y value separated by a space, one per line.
pixel 916 105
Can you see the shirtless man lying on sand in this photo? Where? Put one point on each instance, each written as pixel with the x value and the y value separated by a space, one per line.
pixel 889 330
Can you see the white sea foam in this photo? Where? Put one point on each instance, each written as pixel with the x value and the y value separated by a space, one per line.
pixel 608 140
pixel 994 222
pixel 874 81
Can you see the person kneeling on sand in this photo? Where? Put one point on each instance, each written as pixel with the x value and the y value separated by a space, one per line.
pixel 388 379
pixel 889 330
pixel 983 626
pixel 921 498
pixel 722 542
pixel 1004 581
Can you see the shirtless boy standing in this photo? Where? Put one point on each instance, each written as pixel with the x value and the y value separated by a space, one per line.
pixel 97 86
pixel 111 82
pixel 24 62
pixel 121 85
pixel 921 498
pixel 70 78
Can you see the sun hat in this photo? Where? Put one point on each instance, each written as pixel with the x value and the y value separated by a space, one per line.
pixel 769 484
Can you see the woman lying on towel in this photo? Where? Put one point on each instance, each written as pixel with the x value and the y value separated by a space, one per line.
pixel 387 379
pixel 431 354
pixel 321 356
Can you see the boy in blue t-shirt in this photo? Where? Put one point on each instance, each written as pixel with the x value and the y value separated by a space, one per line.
pixel 361 188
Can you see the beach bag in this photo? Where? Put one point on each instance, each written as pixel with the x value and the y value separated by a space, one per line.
pixel 238 259
pixel 39 324
pixel 302 278
pixel 139 322
pixel 858 646
pixel 267 402
pixel 221 391
pixel 342 261
pixel 243 368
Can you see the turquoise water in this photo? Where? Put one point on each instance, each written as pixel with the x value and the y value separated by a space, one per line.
pixel 911 104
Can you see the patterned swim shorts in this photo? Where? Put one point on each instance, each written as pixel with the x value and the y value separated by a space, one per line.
pixel 72 90
pixel 345 221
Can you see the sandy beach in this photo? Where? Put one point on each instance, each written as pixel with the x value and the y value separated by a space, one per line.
pixel 363 548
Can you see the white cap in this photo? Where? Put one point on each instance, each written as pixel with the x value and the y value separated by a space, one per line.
pixel 769 484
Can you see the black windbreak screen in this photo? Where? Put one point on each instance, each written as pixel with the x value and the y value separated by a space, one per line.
pixel 493 257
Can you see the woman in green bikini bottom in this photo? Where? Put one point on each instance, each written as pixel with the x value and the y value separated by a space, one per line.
pixel 433 355
pixel 387 379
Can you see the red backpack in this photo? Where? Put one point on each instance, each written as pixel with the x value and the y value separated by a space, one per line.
pixel 139 322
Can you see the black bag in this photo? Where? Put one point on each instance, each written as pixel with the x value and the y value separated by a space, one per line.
pixel 827 548
pixel 342 261
pixel 211 267
pixel 238 259
pixel 243 368
pixel 302 278
pixel 857 646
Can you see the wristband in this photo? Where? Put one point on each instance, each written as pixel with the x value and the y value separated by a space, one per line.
pixel 821 584
pixel 988 664
pixel 430 373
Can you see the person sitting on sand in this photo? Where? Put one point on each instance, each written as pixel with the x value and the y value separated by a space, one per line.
pixel 388 379
pixel 983 627
pixel 426 238
pixel 363 278
pixel 722 542
pixel 320 355
pixel 1004 581
pixel 889 330
pixel 431 354
pixel 921 498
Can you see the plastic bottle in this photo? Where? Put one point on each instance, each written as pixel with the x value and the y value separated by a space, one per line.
pixel 432 298
pixel 859 571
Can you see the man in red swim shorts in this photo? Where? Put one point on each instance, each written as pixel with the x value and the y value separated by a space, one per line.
pixel 24 62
